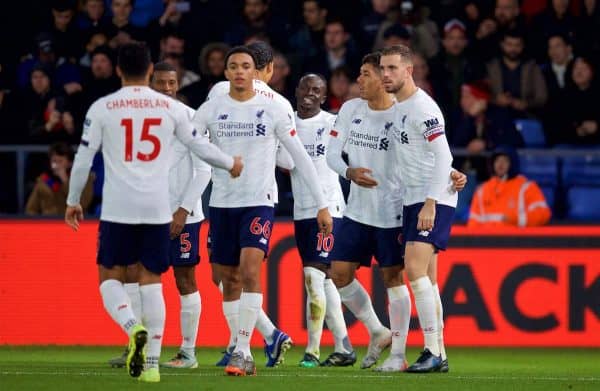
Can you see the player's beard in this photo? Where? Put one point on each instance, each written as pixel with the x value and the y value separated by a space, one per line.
pixel 394 88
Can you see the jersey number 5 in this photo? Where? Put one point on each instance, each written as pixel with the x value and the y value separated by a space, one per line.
pixel 127 123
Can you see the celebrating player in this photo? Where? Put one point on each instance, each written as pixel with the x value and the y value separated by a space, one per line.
pixel 277 342
pixel 429 199
pixel 241 212
pixel 322 300
pixel 134 126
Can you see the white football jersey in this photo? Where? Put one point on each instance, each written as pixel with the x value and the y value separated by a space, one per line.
pixel 420 123
pixel 188 177
pixel 314 133
pixel 260 88
pixel 367 138
pixel 251 129
pixel 135 127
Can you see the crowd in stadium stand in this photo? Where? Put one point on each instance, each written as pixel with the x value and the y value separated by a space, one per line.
pixel 488 63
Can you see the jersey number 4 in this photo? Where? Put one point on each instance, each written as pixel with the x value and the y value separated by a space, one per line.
pixel 127 123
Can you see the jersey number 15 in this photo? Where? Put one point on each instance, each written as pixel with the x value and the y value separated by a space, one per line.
pixel 127 123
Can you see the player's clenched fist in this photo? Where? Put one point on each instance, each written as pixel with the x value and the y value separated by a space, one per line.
pixel 325 221
pixel 236 170
pixel 73 215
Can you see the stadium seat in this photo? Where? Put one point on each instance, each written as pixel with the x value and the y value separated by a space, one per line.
pixel 583 203
pixel 532 132
pixel 581 170
pixel 549 194
pixel 541 169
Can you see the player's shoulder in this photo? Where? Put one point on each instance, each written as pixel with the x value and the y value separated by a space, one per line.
pixel 219 89
pixel 425 104
pixel 352 104
pixel 327 116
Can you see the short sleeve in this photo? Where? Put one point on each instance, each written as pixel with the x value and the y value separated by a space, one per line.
pixel 430 123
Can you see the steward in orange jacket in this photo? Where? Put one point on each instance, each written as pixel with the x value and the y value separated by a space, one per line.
pixel 508 199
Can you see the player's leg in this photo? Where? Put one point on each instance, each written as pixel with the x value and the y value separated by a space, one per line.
pixel 390 256
pixel 343 354
pixel 117 248
pixel 314 282
pixel 154 260
pixel 132 287
pixel 184 256
pixel 399 313
pixel 231 306
pixel 420 249
pixel 432 273
pixel 313 247
pixel 355 249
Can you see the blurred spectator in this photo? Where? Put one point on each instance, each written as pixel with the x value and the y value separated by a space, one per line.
pixel 47 115
pixel 557 74
pixel 92 16
pixel 280 82
pixel 145 11
pixel 421 74
pixel 369 24
pixel 339 88
pixel 396 34
pixel 508 199
pixel 172 43
pixel 516 83
pixel 255 18
pixel 96 38
pixel 62 72
pixel 480 125
pixel 308 39
pixel 588 29
pixel 452 67
pixel 186 76
pixel 423 31
pixel 49 195
pixel 120 30
pixel 212 63
pixel 67 40
pixel 102 79
pixel 8 131
pixel 507 16
pixel 337 51
pixel 555 19
pixel 579 118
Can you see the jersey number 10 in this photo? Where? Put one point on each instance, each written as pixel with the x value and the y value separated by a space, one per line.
pixel 127 123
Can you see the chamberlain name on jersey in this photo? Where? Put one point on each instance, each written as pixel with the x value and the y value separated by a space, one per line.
pixel 421 137
pixel 135 127
pixel 368 138
pixel 188 177
pixel 251 129
pixel 314 133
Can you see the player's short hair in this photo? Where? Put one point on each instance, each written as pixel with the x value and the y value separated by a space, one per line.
pixel 134 59
pixel 307 74
pixel 263 54
pixel 403 51
pixel 240 49
pixel 372 59
pixel 163 66
pixel 61 149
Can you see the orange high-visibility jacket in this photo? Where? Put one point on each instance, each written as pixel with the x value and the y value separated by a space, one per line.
pixel 511 202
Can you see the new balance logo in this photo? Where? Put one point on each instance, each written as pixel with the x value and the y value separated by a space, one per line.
pixel 404 138
pixel 223 117
pixel 185 256
pixel 356 121
pixel 121 307
pixel 261 130
pixel 320 133
pixel 263 241
pixel 157 336
pixel 259 113
pixel 388 125
pixel 324 254
pixel 384 144
pixel 424 233
pixel 320 150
